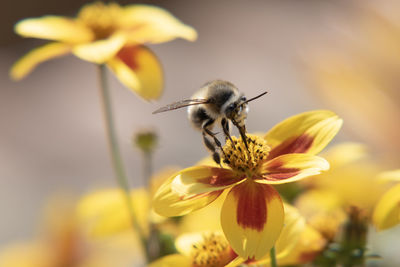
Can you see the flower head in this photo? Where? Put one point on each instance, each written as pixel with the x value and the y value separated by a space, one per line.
pixel 202 249
pixel 106 34
pixel 252 214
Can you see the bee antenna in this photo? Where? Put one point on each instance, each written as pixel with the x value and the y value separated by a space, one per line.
pixel 254 98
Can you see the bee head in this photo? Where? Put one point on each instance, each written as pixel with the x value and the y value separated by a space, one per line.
pixel 237 110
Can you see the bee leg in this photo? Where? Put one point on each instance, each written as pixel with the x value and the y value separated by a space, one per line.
pixel 211 134
pixel 225 128
pixel 209 144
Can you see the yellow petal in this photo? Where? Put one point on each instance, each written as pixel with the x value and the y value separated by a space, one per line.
pixel 308 246
pixel 169 203
pixel 138 69
pixel 27 63
pixel 294 225
pixel 54 28
pixel 151 24
pixel 173 260
pixel 203 179
pixel 105 213
pixel 252 219
pixel 158 178
pixel 101 51
pixel 204 219
pixel 292 167
pixel 390 176
pixel 387 211
pixel 308 132
pixel 345 153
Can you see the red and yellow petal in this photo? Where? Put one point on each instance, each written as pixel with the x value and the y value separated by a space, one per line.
pixel 203 179
pixel 252 219
pixel 54 28
pixel 308 132
pixel 100 51
pixel 387 211
pixel 139 69
pixel 151 24
pixel 28 62
pixel 291 167
pixel 168 202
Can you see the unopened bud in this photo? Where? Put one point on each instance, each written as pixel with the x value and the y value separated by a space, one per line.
pixel 145 140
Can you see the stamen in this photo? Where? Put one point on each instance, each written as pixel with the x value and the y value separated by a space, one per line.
pixel 214 250
pixel 242 160
pixel 101 18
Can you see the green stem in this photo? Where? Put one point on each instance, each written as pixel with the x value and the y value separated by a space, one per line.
pixel 147 169
pixel 153 244
pixel 115 155
pixel 272 254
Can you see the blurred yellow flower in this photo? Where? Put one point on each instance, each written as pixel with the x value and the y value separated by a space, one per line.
pixel 104 212
pixel 106 34
pixel 63 243
pixel 252 213
pixel 351 182
pixel 323 210
pixel 387 210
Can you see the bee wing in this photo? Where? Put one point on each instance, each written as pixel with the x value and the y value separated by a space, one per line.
pixel 181 104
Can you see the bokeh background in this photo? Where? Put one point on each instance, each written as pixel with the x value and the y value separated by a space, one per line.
pixel 308 54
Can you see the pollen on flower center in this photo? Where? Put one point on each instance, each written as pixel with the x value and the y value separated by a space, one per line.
pixel 100 18
pixel 242 160
pixel 213 251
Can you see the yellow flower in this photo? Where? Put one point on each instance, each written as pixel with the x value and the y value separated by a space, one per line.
pixel 104 212
pixel 252 214
pixel 351 182
pixel 387 210
pixel 63 243
pixel 323 210
pixel 201 249
pixel 106 34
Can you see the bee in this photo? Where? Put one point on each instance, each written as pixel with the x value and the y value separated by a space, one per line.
pixel 216 102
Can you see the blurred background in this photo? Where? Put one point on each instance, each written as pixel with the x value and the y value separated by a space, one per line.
pixel 338 55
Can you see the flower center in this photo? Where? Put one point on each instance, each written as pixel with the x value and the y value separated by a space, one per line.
pixel 100 18
pixel 246 161
pixel 213 251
